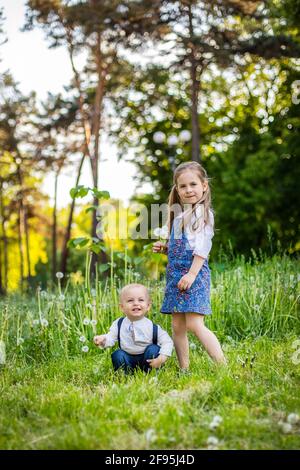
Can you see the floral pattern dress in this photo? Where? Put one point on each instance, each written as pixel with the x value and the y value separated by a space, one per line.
pixel 180 257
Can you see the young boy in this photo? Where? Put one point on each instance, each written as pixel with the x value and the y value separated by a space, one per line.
pixel 141 343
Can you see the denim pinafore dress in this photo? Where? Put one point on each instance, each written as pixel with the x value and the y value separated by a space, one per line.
pixel 180 258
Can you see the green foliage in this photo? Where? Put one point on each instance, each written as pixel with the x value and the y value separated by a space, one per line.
pixel 78 403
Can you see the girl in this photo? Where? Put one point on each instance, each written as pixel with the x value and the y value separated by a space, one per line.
pixel 187 294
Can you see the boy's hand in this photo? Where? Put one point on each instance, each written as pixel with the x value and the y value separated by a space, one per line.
pixel 159 247
pixel 186 281
pixel 100 340
pixel 157 362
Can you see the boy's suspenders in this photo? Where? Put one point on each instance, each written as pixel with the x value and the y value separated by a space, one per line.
pixel 154 334
pixel 119 328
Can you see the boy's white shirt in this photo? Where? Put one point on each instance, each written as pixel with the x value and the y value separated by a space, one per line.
pixel 200 240
pixel 143 336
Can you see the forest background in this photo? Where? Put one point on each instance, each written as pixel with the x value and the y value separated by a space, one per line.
pixel 165 82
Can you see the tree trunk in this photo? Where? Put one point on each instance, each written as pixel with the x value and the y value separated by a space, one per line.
pixel 4 238
pixel 195 94
pixel 2 290
pixel 65 250
pixel 96 126
pixel 20 246
pixel 20 218
pixel 26 229
pixel 54 223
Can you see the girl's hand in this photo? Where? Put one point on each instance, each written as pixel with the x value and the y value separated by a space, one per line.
pixel 186 281
pixel 100 340
pixel 159 247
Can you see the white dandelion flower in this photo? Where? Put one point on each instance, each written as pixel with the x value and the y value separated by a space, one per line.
pixel 82 339
pixel 157 232
pixel 154 380
pixel 44 322
pixel 216 421
pixel 94 322
pixel 193 346
pixel 150 435
pixel 164 233
pixel 86 321
pixel 212 441
pixel 85 349
pixel 213 425
pixel 59 275
pixel 293 418
pixel 286 428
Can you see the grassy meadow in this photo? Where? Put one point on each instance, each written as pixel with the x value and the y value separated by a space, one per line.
pixel 58 391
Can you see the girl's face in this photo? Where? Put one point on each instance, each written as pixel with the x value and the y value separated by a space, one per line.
pixel 190 188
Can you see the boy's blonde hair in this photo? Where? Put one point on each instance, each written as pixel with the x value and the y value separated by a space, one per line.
pixel 131 286
pixel 204 203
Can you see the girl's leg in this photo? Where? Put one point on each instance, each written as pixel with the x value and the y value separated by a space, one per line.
pixel 195 324
pixel 180 339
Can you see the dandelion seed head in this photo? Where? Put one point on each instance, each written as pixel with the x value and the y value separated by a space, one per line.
pixel 154 380
pixel 44 322
pixel 61 297
pixel 94 322
pixel 156 232
pixel 286 428
pixel 20 341
pixel 193 346
pixel 82 339
pixel 150 435
pixel 293 418
pixel 212 441
pixel 213 425
pixel 86 321
pixel 85 349
pixel 59 275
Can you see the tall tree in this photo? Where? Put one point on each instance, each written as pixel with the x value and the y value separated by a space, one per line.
pixel 101 29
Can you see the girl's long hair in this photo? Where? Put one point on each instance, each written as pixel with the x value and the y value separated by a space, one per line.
pixel 175 206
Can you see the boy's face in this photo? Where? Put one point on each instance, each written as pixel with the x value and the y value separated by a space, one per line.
pixel 135 303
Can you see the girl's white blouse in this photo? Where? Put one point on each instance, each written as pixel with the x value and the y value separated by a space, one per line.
pixel 200 240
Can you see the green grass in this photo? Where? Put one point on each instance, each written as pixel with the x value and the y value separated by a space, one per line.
pixel 80 404
pixel 55 396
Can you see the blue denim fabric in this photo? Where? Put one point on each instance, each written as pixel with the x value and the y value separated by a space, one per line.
pixel 197 298
pixel 129 362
